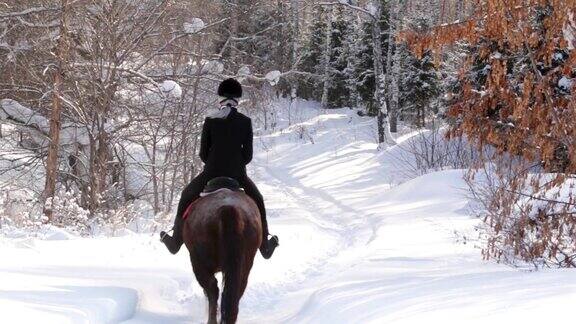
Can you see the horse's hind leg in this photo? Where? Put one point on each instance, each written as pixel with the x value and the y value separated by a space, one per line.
pixel 212 293
pixel 249 261
pixel 209 283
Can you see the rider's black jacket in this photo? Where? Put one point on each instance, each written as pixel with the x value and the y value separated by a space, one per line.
pixel 226 149
pixel 226 144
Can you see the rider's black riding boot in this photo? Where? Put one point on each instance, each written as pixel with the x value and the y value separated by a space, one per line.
pixel 189 195
pixel 174 242
pixel 268 245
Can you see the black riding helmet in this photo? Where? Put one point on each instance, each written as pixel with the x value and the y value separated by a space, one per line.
pixel 230 89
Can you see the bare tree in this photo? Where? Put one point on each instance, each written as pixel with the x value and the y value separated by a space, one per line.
pixel 54 135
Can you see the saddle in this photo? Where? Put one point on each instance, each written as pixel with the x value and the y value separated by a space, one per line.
pixel 213 186
pixel 221 183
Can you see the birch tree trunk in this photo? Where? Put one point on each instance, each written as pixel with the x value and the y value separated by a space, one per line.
pixel 295 11
pixel 352 64
pixel 394 73
pixel 55 123
pixel 326 62
pixel 394 90
pixel 384 134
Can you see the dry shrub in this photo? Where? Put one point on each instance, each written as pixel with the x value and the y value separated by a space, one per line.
pixel 429 150
pixel 516 95
pixel 528 215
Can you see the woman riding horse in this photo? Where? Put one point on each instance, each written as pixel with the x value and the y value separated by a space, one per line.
pixel 225 149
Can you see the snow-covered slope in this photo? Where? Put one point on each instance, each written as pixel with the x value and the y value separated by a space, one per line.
pixel 354 249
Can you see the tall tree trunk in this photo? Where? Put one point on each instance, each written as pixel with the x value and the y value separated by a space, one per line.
pixel 93 176
pixel 394 92
pixel 394 73
pixel 155 176
pixel 55 123
pixel 295 11
pixel 326 62
pixel 384 134
pixel 352 64
pixel 99 158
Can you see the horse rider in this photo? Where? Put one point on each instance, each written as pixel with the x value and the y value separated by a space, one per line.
pixel 225 149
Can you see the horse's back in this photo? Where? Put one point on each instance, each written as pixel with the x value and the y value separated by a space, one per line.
pixel 204 223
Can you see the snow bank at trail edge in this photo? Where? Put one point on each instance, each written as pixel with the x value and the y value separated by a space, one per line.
pixel 356 247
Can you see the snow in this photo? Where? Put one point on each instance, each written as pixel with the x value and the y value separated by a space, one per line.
pixel 273 77
pixel 70 134
pixel 11 108
pixel 56 234
pixel 558 56
pixel 244 72
pixel 205 67
pixel 565 83
pixel 194 26
pixel 171 89
pixel 213 66
pixel 355 247
pixel 372 9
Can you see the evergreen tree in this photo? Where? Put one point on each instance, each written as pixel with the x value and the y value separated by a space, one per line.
pixel 419 87
pixel 365 72
pixel 338 94
pixel 269 46
pixel 312 56
pixel 364 75
pixel 350 71
pixel 255 35
pixel 353 68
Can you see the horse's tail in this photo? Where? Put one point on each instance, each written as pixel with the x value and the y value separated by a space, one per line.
pixel 232 262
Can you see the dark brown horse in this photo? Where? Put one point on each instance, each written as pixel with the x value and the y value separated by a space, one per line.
pixel 222 232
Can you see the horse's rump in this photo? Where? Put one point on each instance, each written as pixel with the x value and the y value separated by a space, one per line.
pixel 223 233
pixel 204 222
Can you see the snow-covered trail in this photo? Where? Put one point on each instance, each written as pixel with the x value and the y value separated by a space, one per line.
pixel 353 249
pixel 414 271
pixel 401 258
